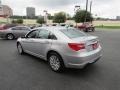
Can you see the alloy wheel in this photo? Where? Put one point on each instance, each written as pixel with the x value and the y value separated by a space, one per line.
pixel 54 62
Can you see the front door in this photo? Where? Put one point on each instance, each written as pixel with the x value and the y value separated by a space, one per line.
pixel 37 42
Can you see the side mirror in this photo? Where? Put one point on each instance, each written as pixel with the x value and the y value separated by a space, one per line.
pixel 23 37
pixel 52 37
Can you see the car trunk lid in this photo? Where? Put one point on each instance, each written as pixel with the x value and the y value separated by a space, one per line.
pixel 91 42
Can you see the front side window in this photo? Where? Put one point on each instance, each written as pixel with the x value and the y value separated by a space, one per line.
pixel 32 34
pixel 43 34
pixel 73 33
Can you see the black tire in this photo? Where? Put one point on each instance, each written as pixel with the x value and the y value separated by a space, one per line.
pixel 59 61
pixel 86 30
pixel 20 49
pixel 93 29
pixel 10 36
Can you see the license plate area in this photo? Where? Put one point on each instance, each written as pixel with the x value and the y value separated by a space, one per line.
pixel 92 46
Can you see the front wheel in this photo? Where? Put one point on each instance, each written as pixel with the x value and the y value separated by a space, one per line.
pixel 56 62
pixel 20 49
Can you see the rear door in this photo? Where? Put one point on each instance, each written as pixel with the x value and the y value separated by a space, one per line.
pixel 24 30
pixel 17 31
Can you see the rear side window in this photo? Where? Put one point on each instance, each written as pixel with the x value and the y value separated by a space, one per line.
pixel 24 28
pixel 73 33
pixel 16 28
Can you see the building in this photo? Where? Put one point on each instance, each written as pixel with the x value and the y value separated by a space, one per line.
pixel 5 11
pixel 30 12
pixel 117 17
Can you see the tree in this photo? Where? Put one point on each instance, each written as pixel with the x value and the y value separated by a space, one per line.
pixel 80 16
pixel 68 17
pixel 13 21
pixel 19 21
pixel 50 17
pixel 23 17
pixel 41 20
pixel 59 17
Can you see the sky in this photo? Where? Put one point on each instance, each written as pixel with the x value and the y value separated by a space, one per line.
pixel 100 8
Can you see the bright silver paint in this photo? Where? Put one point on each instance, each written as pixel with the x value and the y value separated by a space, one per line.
pixel 72 59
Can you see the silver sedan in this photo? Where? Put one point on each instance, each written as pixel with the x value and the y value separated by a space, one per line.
pixel 14 32
pixel 61 47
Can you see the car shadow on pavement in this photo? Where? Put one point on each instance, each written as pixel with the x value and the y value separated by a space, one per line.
pixel 35 59
pixel 90 68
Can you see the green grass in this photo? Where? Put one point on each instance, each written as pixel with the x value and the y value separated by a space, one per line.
pixel 98 24
pixel 108 27
pixel 26 21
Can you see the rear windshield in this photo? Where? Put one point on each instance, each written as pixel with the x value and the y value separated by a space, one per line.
pixel 73 33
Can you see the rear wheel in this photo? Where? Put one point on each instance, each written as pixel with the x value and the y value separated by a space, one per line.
pixel 86 30
pixel 10 36
pixel 20 49
pixel 93 29
pixel 56 62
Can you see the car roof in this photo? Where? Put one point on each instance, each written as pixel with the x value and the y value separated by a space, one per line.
pixel 54 28
pixel 20 26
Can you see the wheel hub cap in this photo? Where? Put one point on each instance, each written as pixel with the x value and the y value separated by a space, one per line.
pixel 10 37
pixel 54 62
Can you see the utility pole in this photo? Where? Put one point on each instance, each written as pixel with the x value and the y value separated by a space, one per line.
pixel 45 15
pixel 91 7
pixel 77 8
pixel 1 8
pixel 86 10
pixel 0 2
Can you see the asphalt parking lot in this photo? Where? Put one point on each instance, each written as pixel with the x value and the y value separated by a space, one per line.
pixel 29 73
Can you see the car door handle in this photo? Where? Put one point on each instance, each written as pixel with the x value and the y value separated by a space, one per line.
pixel 46 42
pixel 30 40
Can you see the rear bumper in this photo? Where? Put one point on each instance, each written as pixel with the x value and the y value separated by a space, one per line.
pixel 80 61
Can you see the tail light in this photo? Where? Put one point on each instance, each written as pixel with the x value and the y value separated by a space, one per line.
pixel 76 46
pixel 95 45
pixel 3 28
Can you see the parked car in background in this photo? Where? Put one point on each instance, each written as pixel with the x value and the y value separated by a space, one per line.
pixel 61 24
pixel 64 24
pixel 61 47
pixel 14 32
pixel 6 26
pixel 86 27
pixel 54 24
